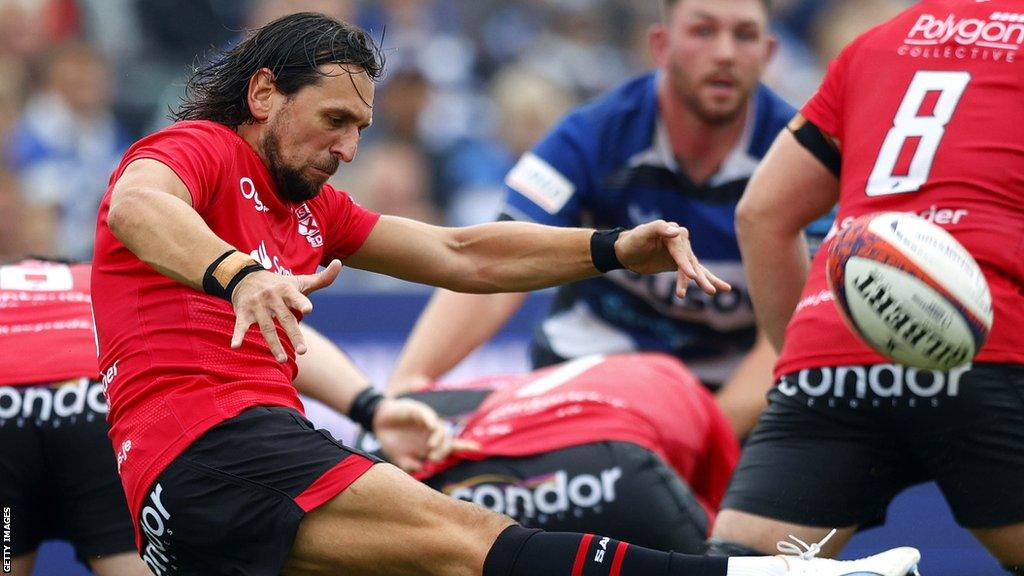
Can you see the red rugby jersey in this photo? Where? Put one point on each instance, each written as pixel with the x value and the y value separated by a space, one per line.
pixel 927 110
pixel 46 330
pixel 651 400
pixel 165 348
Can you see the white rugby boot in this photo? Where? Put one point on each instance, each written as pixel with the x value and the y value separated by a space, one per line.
pixel 800 561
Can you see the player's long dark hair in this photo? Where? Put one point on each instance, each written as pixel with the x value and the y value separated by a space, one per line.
pixel 293 48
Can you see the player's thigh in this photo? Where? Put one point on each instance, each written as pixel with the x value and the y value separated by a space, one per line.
pixel 762 534
pixel 617 489
pixel 22 565
pixel 1006 543
pixel 123 564
pixel 388 523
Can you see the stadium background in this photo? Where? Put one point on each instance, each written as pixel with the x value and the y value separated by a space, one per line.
pixel 470 85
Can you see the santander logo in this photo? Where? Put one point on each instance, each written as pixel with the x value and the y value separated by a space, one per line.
pixel 1001 31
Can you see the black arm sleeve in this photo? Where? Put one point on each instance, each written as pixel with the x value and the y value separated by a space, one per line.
pixel 816 142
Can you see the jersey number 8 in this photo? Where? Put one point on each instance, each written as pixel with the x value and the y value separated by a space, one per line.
pixel 910 125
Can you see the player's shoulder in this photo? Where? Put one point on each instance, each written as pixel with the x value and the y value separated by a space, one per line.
pixel 199 128
pixel 627 111
pixel 772 113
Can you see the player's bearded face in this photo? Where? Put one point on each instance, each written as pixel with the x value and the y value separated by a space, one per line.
pixel 315 129
pixel 294 183
pixel 714 55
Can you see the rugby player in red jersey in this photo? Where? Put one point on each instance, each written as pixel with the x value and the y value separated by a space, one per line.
pixel 219 222
pixel 921 114
pixel 58 476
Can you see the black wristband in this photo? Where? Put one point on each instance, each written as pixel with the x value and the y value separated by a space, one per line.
pixel 602 250
pixel 213 279
pixel 364 408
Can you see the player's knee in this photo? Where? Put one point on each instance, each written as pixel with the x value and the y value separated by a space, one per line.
pixel 469 531
pixel 719 547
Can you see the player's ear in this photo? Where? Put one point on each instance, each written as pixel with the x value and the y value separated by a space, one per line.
pixel 771 48
pixel 260 94
pixel 657 40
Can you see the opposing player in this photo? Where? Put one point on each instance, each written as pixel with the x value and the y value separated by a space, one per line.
pixel 219 222
pixel 58 476
pixel 631 446
pixel 678 143
pixel 921 114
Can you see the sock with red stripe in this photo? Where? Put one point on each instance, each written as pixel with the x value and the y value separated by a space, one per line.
pixel 522 552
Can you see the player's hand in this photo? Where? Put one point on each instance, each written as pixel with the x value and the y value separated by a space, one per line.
pixel 262 297
pixel 410 433
pixel 661 246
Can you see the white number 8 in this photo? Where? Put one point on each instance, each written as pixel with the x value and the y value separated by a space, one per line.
pixel 909 124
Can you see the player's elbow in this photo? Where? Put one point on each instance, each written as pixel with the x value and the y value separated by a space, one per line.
pixel 751 218
pixel 124 205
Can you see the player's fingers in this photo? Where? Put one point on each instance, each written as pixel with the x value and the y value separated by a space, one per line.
pixel 463 445
pixel 298 301
pixel 703 278
pixel 442 451
pixel 313 282
pixel 291 329
pixel 682 255
pixel 242 323
pixel 670 229
pixel 269 331
pixel 717 282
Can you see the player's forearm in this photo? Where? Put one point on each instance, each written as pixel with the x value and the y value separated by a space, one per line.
pixel 520 256
pixel 326 373
pixel 776 266
pixel 166 233
pixel 449 329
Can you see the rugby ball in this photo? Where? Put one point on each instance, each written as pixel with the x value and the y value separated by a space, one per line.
pixel 910 290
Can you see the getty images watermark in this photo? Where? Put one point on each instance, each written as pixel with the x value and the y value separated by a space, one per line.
pixel 7 540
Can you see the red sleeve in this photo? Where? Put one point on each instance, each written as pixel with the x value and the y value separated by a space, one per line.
pixel 345 223
pixel 823 108
pixel 198 152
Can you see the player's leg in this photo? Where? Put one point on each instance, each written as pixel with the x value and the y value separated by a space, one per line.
pixel 813 463
pixel 392 524
pixel 1006 543
pixel 123 564
pixel 974 447
pixel 91 504
pixel 22 564
pixel 388 524
pixel 739 532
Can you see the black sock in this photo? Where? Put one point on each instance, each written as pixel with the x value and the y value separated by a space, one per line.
pixel 522 552
pixel 1017 570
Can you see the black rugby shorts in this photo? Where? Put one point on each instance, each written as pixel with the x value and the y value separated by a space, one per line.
pixel 835 446
pixel 617 489
pixel 57 470
pixel 232 502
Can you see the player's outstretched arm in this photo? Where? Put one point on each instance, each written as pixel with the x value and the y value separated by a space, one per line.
pixel 789 190
pixel 151 214
pixel 520 256
pixel 451 327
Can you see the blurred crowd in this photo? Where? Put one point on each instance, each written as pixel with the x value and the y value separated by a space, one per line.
pixel 470 85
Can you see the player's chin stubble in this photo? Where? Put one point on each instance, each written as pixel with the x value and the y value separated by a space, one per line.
pixel 292 185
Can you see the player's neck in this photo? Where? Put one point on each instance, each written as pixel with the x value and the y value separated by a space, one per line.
pixel 250 132
pixel 699 147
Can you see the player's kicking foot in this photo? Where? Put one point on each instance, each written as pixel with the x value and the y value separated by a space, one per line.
pixel 895 562
pixel 802 562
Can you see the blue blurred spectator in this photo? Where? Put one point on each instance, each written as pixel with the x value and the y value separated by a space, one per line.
pixel 64 147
